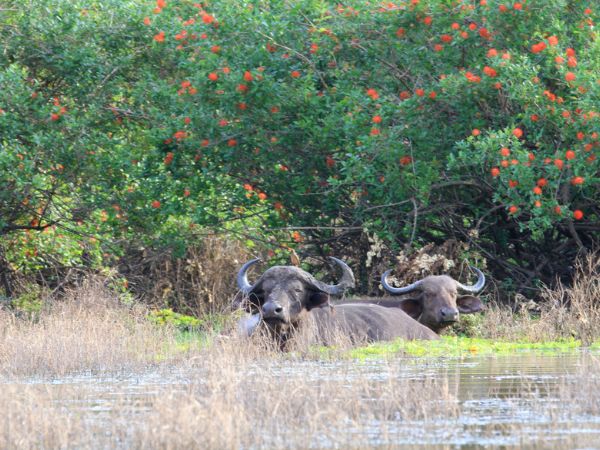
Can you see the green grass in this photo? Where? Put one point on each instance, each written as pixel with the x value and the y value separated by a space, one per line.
pixel 453 346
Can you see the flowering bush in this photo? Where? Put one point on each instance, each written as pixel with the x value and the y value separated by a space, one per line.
pixel 416 120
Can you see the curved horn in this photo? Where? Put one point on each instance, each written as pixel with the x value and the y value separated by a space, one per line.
pixel 346 282
pixel 400 290
pixel 475 287
pixel 242 276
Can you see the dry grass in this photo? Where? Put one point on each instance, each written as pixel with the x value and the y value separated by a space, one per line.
pixel 564 312
pixel 202 281
pixel 232 395
pixel 88 331
pixel 239 393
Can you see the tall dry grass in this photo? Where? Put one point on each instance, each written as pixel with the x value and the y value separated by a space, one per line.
pixel 563 312
pixel 235 396
pixel 89 330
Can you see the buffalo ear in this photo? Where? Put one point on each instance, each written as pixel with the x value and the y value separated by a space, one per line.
pixel 317 299
pixel 468 304
pixel 412 307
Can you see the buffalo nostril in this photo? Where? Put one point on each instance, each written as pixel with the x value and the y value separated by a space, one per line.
pixel 449 314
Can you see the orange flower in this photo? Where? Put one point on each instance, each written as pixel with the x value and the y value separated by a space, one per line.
pixel 329 161
pixel 375 132
pixel 557 210
pixel 262 196
pixel 553 40
pixel 490 72
pixel 495 172
pixel 419 92
pixel 400 32
pixel 570 76
pixel 575 181
pixel 207 18
pixel 446 38
pixel 537 204
pixel 372 93
pixel 513 209
pixel 492 52
pixel 427 20
pixel 161 3
pixel 537 190
pixel 539 47
pixel 578 214
pixel 505 151
pixel 232 142
pixel 248 76
pixel 295 74
pixel 147 21
pixel 168 158
pixel 155 204
pixel 405 160
pixel 513 183
pixel 517 132
pixel 569 155
pixel 213 76
pixel 404 95
pixel 160 37
pixel 376 119
pixel 432 95
pixel 248 187
pixel 215 49
pixel 475 132
pixel 559 163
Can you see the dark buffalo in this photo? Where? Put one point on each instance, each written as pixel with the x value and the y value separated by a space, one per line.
pixel 437 303
pixel 286 298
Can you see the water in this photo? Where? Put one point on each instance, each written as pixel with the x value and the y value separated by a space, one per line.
pixel 522 400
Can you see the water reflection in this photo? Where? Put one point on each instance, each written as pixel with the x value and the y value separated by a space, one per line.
pixel 490 397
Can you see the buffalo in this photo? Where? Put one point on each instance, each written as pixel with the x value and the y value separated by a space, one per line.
pixel 287 298
pixel 437 303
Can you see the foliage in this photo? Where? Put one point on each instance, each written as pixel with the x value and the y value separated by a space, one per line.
pixel 168 317
pixel 451 346
pixel 139 123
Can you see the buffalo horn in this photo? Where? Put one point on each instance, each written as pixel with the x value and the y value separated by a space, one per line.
pixel 346 282
pixel 242 276
pixel 400 290
pixel 477 286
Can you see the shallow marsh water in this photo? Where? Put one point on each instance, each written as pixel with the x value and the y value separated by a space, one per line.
pixel 527 399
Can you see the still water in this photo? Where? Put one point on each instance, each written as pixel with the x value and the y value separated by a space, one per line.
pixel 525 400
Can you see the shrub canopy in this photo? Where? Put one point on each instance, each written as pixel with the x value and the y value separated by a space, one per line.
pixel 297 123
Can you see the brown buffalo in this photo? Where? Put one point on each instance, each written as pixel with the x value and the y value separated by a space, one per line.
pixel 286 298
pixel 437 303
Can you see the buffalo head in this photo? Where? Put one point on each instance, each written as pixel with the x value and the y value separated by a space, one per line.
pixel 282 294
pixel 438 304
